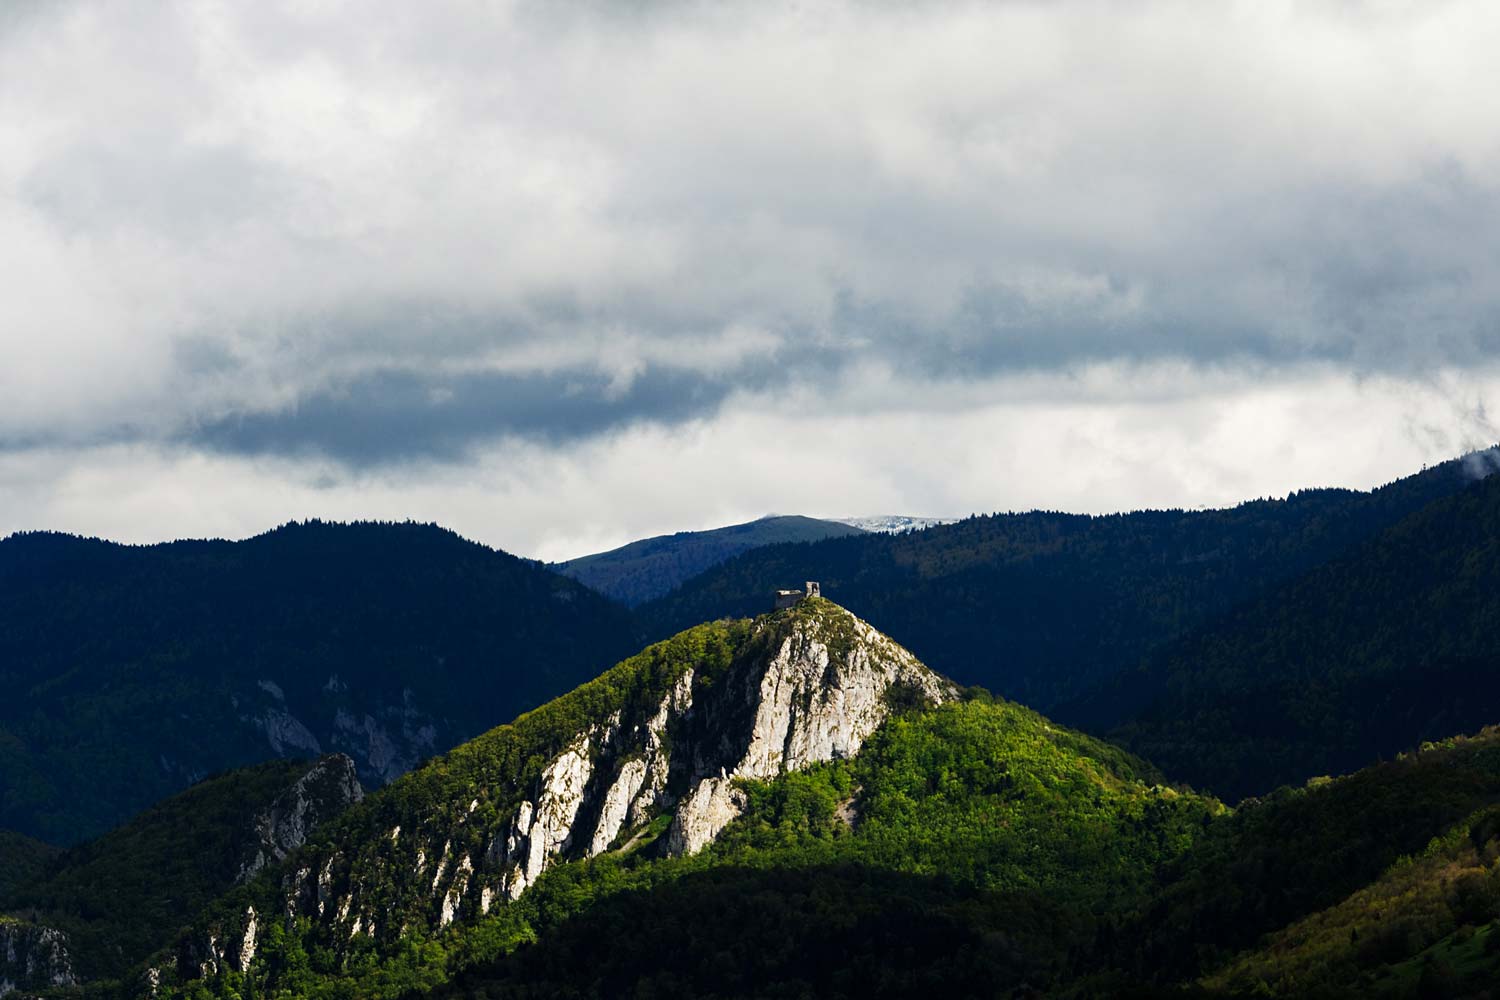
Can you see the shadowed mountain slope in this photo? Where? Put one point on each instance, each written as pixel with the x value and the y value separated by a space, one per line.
pixel 129 672
pixel 1040 607
pixel 1395 642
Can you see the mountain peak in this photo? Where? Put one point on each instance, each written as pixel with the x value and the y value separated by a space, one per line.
pixel 645 759
pixel 818 684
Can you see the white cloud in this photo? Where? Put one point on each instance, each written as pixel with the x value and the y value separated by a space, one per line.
pixel 986 214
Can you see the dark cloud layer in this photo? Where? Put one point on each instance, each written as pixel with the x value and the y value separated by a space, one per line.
pixel 399 416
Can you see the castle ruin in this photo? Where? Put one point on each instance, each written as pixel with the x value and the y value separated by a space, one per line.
pixel 787 598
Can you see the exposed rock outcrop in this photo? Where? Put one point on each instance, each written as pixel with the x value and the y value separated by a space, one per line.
pixel 808 685
pixel 33 957
pixel 651 754
pixel 542 831
pixel 328 788
pixel 824 688
pixel 710 807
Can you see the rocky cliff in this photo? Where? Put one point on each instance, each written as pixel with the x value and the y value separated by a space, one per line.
pixel 329 787
pixel 667 733
pixel 33 957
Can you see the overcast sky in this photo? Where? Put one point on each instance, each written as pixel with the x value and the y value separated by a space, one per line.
pixel 562 275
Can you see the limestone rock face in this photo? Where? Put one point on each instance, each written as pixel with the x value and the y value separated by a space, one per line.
pixel 710 807
pixel 817 696
pixel 33 957
pixel 617 802
pixel 329 786
pixel 247 943
pixel 542 831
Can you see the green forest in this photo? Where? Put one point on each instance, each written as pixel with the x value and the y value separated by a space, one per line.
pixel 1254 780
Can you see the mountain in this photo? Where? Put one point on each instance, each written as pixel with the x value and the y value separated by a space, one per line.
pixel 130 672
pixel 1041 607
pixel 95 910
pixel 1335 857
pixel 647 569
pixel 795 805
pixel 801 756
pixel 1390 644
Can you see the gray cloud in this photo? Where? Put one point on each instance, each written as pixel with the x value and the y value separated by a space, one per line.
pixel 390 234
pixel 399 416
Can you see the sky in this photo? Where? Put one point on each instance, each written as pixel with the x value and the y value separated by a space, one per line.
pixel 558 276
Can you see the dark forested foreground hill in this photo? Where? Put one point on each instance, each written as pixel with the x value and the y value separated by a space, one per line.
pixel 130 672
pixel 1395 642
pixel 647 569
pixel 1042 606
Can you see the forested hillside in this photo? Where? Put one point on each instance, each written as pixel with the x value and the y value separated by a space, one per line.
pixel 115 900
pixel 651 567
pixel 21 859
pixel 1041 606
pixel 1008 832
pixel 132 671
pixel 1356 854
pixel 1394 643
pixel 971 848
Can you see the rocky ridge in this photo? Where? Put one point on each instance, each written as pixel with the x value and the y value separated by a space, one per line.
pixel 668 732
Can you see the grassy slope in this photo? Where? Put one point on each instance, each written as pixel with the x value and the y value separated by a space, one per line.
pixel 1431 916
pixel 647 569
pixel 1277 861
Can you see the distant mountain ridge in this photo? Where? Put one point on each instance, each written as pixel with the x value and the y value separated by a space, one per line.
pixel 894 523
pixel 1042 606
pixel 643 570
pixel 130 672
